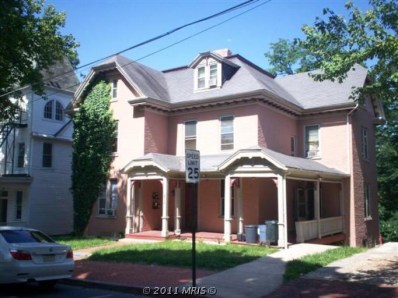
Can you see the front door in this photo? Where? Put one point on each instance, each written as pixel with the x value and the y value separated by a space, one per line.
pixel 3 210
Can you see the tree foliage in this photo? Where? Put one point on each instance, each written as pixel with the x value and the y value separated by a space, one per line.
pixel 368 38
pixel 94 133
pixel 288 57
pixel 30 41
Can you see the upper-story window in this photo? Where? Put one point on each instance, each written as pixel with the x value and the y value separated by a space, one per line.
pixel 190 135
pixel 227 132
pixel 207 76
pixel 47 157
pixel 54 110
pixel 21 155
pixel 367 204
pixel 364 142
pixel 312 141
pixel 114 89
pixel 116 137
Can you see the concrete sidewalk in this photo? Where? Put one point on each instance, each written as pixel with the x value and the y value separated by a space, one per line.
pixel 259 277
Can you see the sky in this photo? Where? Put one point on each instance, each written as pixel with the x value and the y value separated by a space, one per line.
pixel 105 27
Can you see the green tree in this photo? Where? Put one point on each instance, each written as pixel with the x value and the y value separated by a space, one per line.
pixel 94 134
pixel 30 41
pixel 368 38
pixel 288 57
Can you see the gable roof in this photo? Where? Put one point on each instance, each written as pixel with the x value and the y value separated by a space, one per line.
pixel 61 75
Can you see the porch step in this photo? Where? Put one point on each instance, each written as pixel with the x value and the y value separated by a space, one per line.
pixel 147 236
pixel 328 239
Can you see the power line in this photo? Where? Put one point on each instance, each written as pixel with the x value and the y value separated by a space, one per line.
pixel 175 43
pixel 248 2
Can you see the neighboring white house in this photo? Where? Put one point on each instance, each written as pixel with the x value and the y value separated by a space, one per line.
pixel 36 156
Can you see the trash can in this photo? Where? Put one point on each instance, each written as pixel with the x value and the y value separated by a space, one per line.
pixel 251 233
pixel 262 230
pixel 271 231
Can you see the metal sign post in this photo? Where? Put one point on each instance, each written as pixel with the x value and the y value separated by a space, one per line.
pixel 192 175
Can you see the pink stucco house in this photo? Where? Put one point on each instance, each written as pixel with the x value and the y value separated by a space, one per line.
pixel 287 149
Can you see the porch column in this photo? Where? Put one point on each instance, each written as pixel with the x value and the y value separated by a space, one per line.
pixel 317 211
pixel 342 212
pixel 165 207
pixel 128 206
pixel 140 213
pixel 282 210
pixel 177 198
pixel 240 206
pixel 227 209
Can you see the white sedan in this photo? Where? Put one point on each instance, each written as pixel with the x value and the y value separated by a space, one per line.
pixel 28 255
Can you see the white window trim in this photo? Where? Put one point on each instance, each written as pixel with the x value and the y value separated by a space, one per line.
pixel 207 66
pixel 233 133
pixel 106 194
pixel 192 138
pixel 319 141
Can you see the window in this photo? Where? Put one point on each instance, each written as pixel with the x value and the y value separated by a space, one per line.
pixel 107 202
pixel 227 133
pixel 190 135
pixel 21 155
pixel 312 141
pixel 54 110
pixel 367 201
pixel 222 199
pixel 206 76
pixel 47 155
pixel 59 111
pixel 293 146
pixel 213 75
pixel 364 142
pixel 201 77
pixel 19 197
pixel 114 89
pixel 48 110
pixel 116 138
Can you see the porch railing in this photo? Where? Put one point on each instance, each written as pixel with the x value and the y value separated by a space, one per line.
pixel 307 230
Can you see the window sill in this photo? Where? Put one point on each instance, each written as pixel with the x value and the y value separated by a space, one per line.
pixel 103 216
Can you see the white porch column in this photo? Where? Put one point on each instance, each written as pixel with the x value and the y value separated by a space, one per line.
pixel 128 206
pixel 165 207
pixel 282 210
pixel 240 207
pixel 317 205
pixel 177 203
pixel 227 209
pixel 140 212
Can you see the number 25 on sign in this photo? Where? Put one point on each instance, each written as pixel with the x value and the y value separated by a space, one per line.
pixel 192 166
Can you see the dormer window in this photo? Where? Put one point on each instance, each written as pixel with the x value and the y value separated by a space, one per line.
pixel 207 76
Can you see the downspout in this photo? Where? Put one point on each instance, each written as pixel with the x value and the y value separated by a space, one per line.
pixel 350 171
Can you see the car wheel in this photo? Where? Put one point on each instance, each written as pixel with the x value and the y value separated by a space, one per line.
pixel 48 284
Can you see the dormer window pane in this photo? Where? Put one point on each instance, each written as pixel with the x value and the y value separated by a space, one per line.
pixel 213 75
pixel 201 77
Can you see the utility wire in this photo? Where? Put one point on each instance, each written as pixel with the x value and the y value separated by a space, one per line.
pixel 248 2
pixel 175 43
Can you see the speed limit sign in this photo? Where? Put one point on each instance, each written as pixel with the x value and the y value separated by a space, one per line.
pixel 192 166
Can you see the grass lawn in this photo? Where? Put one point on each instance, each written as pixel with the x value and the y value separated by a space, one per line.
pixel 82 242
pixel 178 253
pixel 299 267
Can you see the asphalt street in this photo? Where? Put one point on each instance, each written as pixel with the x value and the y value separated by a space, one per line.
pixel 60 290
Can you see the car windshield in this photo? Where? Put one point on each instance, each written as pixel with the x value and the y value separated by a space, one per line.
pixel 24 236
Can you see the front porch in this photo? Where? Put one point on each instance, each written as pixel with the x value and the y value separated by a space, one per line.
pixel 155 235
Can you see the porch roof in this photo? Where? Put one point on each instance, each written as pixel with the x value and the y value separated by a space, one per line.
pixel 219 163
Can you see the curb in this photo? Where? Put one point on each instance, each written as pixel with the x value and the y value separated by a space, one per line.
pixel 103 285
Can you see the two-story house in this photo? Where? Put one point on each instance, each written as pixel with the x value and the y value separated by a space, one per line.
pixel 288 149
pixel 35 157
